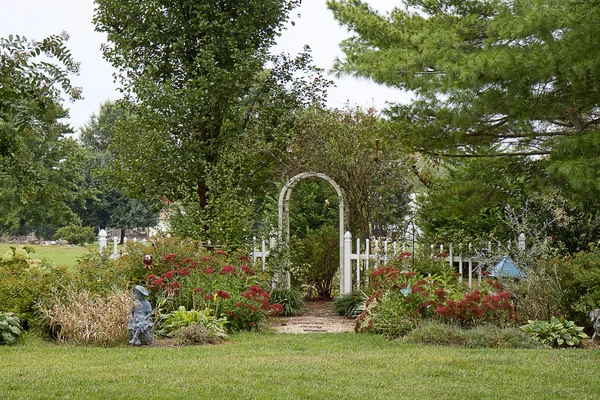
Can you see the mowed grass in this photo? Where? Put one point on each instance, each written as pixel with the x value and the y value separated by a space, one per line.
pixel 314 366
pixel 55 255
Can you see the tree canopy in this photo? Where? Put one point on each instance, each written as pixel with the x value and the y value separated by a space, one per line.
pixel 489 77
pixel 183 66
pixel 39 163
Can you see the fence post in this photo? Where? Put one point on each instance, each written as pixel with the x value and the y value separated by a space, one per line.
pixel 101 240
pixel 115 251
pixel 347 272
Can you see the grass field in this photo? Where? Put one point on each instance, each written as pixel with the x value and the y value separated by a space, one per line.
pixel 315 366
pixel 56 255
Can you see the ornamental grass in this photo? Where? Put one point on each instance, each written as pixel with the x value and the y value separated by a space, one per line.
pixel 85 318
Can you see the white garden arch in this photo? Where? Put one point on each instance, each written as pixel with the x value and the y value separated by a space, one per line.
pixel 284 221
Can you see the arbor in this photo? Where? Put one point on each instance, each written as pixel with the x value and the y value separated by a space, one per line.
pixel 183 66
pixel 39 163
pixel 489 77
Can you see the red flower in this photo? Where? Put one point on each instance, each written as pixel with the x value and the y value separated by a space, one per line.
pixel 206 258
pixel 151 277
pixel 157 282
pixel 169 274
pixel 197 290
pixel 409 273
pixel 247 269
pixel 223 294
pixel 221 252
pixel 277 309
pixel 209 270
pixel 169 256
pixel 184 272
pixel 186 260
pixel 228 269
pixel 245 259
pixel 194 265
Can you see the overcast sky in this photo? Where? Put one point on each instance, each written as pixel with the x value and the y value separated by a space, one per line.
pixel 36 19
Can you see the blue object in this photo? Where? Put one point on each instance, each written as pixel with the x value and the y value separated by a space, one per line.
pixel 506 268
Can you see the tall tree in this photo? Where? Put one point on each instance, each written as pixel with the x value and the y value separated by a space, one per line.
pixel 359 151
pixel 39 163
pixel 489 77
pixel 183 65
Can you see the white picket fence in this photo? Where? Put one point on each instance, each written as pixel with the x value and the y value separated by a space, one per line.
pixel 369 254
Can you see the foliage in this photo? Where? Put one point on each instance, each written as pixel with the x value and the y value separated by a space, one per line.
pixel 83 317
pixel 291 300
pixel 226 285
pixel 10 328
pixel 22 282
pixel 406 297
pixel 39 164
pixel 557 332
pixel 315 261
pixel 350 305
pixel 359 151
pixel 184 68
pixel 76 234
pixel 194 326
pixel 580 283
pixel 483 336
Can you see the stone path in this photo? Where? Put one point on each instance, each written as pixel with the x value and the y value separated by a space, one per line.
pixel 317 317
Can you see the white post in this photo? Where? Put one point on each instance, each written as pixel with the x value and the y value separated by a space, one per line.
pixel 115 251
pixel 254 251
pixel 522 244
pixel 470 267
pixel 347 273
pixel 101 240
pixel 358 264
pixel 460 262
pixel 263 245
pixel 125 241
pixel 451 260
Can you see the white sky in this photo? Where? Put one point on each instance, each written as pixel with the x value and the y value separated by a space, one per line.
pixel 36 19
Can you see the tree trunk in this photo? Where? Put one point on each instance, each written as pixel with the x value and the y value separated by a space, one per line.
pixel 22 227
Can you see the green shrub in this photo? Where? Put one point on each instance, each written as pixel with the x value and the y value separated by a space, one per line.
pixel 391 318
pixel 350 305
pixel 291 300
pixel 482 336
pixel 194 326
pixel 22 282
pixel 85 317
pixel 10 328
pixel 556 332
pixel 580 284
pixel 76 234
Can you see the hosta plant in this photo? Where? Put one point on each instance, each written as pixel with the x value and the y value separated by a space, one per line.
pixel 182 319
pixel 556 332
pixel 10 328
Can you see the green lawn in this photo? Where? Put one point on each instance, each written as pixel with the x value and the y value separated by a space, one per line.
pixel 56 255
pixel 315 366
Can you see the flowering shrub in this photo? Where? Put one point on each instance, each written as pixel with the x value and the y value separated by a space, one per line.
pixel 400 298
pixel 217 281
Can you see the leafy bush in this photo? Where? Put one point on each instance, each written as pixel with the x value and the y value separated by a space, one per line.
pixel 391 318
pixel 76 234
pixel 23 281
pixel 10 328
pixel 315 261
pixel 84 317
pixel 217 281
pixel 194 326
pixel 482 336
pixel 350 305
pixel 290 299
pixel 406 296
pixel 556 332
pixel 580 283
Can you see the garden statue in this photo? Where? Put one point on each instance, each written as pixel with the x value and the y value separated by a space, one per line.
pixel 148 261
pixel 140 326
pixel 595 317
